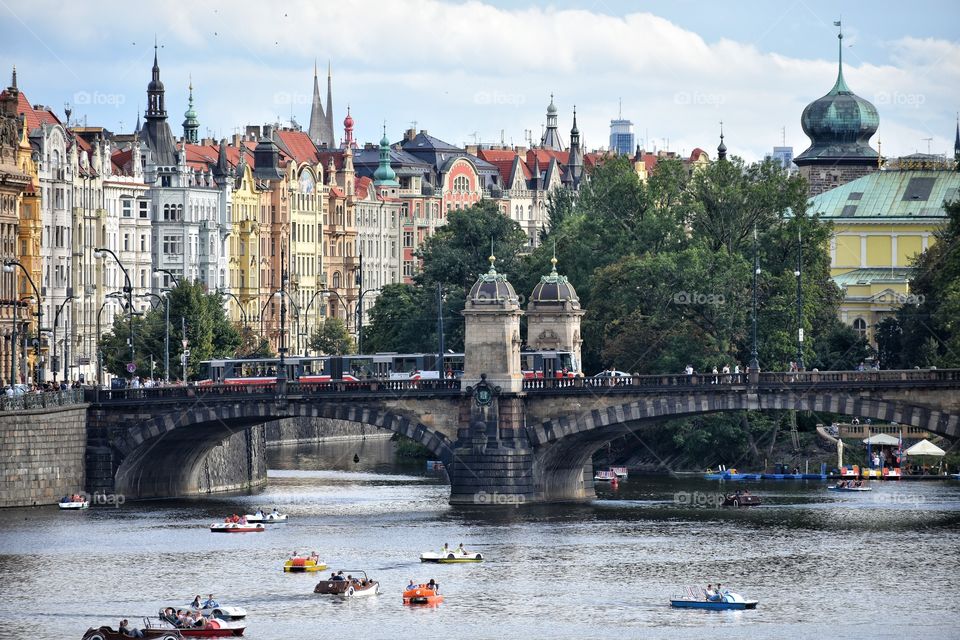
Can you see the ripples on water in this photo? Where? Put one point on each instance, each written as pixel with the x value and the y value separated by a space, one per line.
pixel 823 565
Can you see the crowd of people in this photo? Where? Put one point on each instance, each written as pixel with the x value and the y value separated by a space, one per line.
pixel 358 583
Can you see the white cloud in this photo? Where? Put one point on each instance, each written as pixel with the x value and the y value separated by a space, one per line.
pixel 471 67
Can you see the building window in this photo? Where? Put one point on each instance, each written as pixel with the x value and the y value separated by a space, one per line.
pixel 172 245
pixel 860 326
pixel 408 268
pixel 126 206
pixel 461 184
pixel 408 238
pixel 336 279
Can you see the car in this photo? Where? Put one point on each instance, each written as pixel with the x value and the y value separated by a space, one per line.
pixel 613 373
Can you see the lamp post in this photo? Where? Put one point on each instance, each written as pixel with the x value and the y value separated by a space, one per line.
pixel 99 253
pixel 243 313
pixel 170 274
pixel 56 322
pixel 754 355
pixel 799 274
pixel 8 266
pixel 440 370
pixel 116 295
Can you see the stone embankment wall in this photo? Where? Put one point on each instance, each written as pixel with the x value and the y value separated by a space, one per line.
pixel 42 454
pixel 305 430
pixel 239 463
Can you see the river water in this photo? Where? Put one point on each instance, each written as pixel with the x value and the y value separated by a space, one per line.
pixel 880 565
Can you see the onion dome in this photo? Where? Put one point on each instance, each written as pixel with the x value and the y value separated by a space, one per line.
pixel 554 290
pixel 385 175
pixel 551 108
pixel 839 125
pixel 492 288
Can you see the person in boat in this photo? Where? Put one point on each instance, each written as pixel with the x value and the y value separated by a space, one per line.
pixel 338 576
pixel 709 592
pixel 259 512
pixel 170 616
pixel 128 631
pixel 198 621
pixel 314 557
pixel 294 555
pixel 445 549
pixel 275 512
pixel 461 550
pixel 183 620
pixel 242 520
pixel 333 576
pixel 210 603
pixel 433 585
pixel 410 584
pixel 196 603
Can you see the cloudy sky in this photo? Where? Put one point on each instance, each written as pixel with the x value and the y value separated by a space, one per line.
pixel 482 70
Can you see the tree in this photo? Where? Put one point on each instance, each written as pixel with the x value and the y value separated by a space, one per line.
pixel 458 252
pixel 253 345
pixel 332 338
pixel 209 333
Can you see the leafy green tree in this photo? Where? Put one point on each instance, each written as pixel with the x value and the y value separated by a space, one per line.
pixel 332 338
pixel 209 333
pixel 839 348
pixel 458 252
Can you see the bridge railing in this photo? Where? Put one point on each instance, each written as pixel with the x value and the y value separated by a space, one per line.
pixel 43 400
pixel 176 393
pixel 892 377
pixel 634 382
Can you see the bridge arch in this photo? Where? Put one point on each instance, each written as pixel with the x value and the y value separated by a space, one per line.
pixel 162 455
pixel 566 443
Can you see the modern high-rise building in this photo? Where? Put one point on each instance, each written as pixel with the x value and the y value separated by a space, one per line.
pixel 782 156
pixel 622 141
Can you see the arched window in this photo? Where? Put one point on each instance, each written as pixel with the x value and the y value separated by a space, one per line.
pixel 336 279
pixel 461 184
pixel 860 326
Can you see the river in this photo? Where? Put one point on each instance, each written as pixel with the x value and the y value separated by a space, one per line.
pixel 823 565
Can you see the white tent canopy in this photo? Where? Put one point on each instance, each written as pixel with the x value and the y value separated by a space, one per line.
pixel 925 448
pixel 881 439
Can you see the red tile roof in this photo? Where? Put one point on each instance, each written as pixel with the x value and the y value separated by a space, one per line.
pixel 361 186
pixel 502 159
pixel 300 145
pixel 33 117
pixel 544 156
pixel 696 153
pixel 337 191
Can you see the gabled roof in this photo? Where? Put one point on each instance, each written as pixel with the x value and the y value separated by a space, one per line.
pixel 502 159
pixel 297 145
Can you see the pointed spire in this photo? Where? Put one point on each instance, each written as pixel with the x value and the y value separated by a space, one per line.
pixel 328 131
pixel 956 142
pixel 553 260
pixel 492 259
pixel 841 85
pixel 722 147
pixel 13 80
pixel 317 117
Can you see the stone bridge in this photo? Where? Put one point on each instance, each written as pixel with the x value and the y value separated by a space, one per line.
pixel 531 444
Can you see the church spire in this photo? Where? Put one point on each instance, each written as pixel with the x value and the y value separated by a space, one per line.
pixel 191 125
pixel 328 125
pixel 956 144
pixel 385 175
pixel 722 147
pixel 841 84
pixel 551 135
pixel 317 117
pixel 574 169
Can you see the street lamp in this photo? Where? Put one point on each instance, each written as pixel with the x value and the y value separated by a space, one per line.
pixel 99 253
pixel 243 312
pixel 158 272
pixel 56 322
pixel 116 295
pixel 799 274
pixel 754 355
pixel 359 318
pixel 8 267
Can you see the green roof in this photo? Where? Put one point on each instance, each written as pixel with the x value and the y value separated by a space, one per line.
pixel 894 275
pixel 889 194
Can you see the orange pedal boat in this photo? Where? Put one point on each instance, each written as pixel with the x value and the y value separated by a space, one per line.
pixel 423 595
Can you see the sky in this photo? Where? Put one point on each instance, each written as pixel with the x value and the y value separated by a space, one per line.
pixel 484 70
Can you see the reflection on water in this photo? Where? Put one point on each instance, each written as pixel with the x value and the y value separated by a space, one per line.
pixel 822 565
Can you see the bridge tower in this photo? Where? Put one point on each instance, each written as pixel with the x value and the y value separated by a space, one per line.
pixel 492 462
pixel 553 316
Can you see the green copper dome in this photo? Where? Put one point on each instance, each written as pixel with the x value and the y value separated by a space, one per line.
pixel 839 125
pixel 385 175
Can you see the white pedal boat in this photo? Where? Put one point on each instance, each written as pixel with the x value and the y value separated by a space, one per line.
pixel 451 557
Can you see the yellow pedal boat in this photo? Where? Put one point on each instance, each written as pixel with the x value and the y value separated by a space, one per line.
pixel 303 565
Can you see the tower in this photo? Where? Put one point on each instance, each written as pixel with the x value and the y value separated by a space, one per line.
pixel 722 147
pixel 491 339
pixel 839 125
pixel 266 157
pixel 385 176
pixel 348 172
pixel 191 125
pixel 320 129
pixel 574 169
pixel 156 132
pixel 551 136
pixel 956 145
pixel 553 315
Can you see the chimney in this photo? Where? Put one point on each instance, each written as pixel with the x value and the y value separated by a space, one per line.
pixel 410 134
pixel 237 140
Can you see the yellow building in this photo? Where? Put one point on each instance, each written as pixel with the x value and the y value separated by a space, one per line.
pixel 244 243
pixel 308 199
pixel 882 221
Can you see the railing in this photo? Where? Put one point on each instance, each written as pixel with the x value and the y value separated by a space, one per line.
pixel 261 391
pixel 638 382
pixel 43 400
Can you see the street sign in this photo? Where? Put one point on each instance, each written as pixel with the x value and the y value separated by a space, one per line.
pixel 131 367
pixel 185 343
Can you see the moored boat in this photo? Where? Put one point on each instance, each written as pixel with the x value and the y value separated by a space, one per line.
pixel 422 594
pixel 75 502
pixel 236 527
pixel 604 476
pixel 348 586
pixel 621 472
